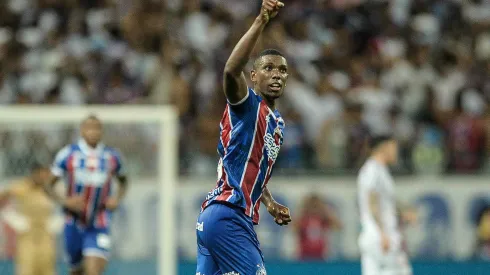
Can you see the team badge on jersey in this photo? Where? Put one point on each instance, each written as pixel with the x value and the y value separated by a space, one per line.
pixel 261 270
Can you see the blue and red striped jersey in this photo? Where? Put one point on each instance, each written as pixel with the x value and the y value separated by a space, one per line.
pixel 88 172
pixel 251 135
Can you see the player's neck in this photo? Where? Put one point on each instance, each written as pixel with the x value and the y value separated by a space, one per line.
pixel 270 102
pixel 379 158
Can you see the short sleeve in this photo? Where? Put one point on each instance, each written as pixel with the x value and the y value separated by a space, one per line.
pixel 59 166
pixel 249 103
pixel 368 180
pixel 120 168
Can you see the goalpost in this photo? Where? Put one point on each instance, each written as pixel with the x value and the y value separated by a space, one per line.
pixel 166 156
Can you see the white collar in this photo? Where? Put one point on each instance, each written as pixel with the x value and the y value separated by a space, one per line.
pixel 86 149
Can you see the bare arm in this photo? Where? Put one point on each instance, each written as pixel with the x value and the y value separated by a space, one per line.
pixel 123 187
pixel 267 198
pixel 49 189
pixel 235 84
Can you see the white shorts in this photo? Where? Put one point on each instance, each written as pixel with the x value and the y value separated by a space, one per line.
pixel 391 263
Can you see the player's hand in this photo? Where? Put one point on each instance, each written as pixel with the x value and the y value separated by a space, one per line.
pixel 74 203
pixel 409 216
pixel 270 8
pixel 112 204
pixel 385 242
pixel 281 213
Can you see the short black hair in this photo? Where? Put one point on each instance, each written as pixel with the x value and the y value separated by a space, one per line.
pixel 90 117
pixel 267 52
pixel 36 165
pixel 377 140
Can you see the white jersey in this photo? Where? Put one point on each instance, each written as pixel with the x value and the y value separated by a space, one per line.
pixel 375 177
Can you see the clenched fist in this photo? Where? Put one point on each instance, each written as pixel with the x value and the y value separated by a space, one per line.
pixel 270 8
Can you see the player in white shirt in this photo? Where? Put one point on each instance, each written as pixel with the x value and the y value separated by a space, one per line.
pixel 380 241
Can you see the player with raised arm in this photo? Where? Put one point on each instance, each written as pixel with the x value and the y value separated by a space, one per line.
pixel 35 222
pixel 88 168
pixel 251 133
pixel 380 241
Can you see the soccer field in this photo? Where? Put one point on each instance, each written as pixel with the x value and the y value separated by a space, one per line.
pixel 289 268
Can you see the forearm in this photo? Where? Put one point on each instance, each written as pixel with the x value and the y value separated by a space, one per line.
pixel 267 198
pixel 123 187
pixel 49 189
pixel 241 53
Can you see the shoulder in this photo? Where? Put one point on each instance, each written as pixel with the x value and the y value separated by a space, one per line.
pixel 67 150
pixel 112 151
pixel 17 188
pixel 250 102
pixel 368 172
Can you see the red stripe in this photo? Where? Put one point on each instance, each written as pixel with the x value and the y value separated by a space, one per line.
pixel 226 131
pixel 105 192
pixel 252 166
pixel 87 193
pixel 256 213
pixel 71 174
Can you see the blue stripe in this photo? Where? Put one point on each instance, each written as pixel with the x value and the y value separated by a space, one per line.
pixel 79 188
pixel 82 164
pixel 102 163
pixel 257 191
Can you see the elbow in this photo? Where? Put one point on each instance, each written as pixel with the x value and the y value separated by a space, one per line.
pixel 231 70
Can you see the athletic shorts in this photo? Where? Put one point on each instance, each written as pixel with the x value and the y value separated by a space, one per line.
pixel 82 242
pixel 227 243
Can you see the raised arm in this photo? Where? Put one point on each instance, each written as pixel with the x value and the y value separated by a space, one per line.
pixel 235 84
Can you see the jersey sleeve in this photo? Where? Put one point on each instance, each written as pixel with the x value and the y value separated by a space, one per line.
pixel 120 168
pixel 248 104
pixel 60 166
pixel 368 181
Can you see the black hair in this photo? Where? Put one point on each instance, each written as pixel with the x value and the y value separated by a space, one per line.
pixel 91 116
pixel 376 141
pixel 35 166
pixel 266 52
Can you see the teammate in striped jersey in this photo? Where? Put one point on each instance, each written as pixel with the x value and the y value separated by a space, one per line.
pixel 251 134
pixel 88 169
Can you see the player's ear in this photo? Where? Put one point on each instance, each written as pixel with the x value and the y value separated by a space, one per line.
pixel 253 76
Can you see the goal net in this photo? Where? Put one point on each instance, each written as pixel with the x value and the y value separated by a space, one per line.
pixel 143 233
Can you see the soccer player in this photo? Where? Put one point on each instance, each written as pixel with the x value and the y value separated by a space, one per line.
pixel 88 169
pixel 251 133
pixel 35 223
pixel 380 241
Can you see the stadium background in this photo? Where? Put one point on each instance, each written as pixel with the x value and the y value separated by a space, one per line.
pixel 419 69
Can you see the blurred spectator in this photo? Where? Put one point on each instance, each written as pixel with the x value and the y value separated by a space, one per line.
pixel 406 63
pixel 317 219
pixel 483 234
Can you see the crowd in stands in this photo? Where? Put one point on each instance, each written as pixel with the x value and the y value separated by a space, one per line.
pixel 417 69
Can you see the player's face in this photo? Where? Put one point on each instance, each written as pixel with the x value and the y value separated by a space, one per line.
pixel 92 131
pixel 392 151
pixel 270 75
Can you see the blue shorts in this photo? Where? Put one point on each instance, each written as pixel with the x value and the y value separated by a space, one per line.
pixel 227 242
pixel 82 242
